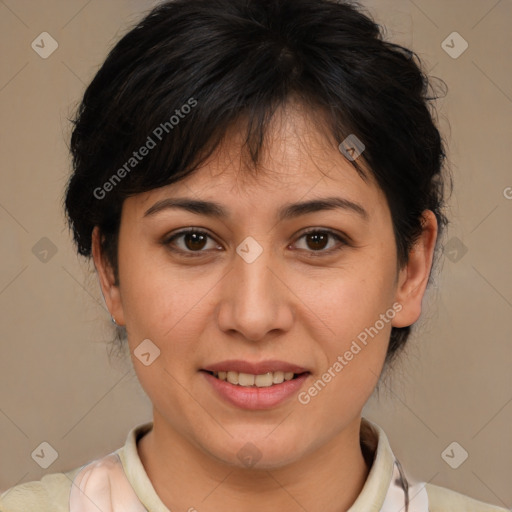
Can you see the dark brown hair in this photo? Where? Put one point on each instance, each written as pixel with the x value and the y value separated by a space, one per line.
pixel 192 68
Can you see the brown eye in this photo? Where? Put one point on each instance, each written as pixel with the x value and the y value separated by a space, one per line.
pixel 317 240
pixel 192 241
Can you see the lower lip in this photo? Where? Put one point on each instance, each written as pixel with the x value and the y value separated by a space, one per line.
pixel 255 398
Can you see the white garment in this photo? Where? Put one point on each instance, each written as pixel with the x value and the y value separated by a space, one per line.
pixel 402 496
pixel 127 485
pixel 102 485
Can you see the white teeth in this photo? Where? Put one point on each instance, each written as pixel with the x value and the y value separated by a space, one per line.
pixel 232 377
pixel 246 379
pixel 264 380
pixel 278 377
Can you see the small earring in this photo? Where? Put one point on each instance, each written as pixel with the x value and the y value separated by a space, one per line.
pixel 113 320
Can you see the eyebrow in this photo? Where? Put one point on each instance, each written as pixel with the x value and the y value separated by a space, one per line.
pixel 288 211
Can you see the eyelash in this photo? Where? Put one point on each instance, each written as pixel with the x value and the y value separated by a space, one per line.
pixel 194 254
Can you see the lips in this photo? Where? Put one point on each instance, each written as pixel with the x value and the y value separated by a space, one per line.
pixel 255 385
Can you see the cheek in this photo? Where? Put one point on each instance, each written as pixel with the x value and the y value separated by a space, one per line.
pixel 163 303
pixel 352 299
pixel 359 311
pixel 357 305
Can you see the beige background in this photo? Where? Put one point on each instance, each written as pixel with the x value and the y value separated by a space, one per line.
pixel 56 381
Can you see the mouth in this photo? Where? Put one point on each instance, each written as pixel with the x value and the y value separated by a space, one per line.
pixel 249 380
pixel 261 390
pixel 255 385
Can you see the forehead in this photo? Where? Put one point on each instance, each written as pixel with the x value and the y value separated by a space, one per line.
pixel 299 158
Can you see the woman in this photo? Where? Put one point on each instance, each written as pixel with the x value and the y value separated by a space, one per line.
pixel 260 186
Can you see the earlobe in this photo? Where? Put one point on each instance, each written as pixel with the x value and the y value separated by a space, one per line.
pixel 106 276
pixel 413 277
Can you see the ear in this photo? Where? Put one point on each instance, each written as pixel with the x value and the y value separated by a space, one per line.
pixel 413 277
pixel 106 276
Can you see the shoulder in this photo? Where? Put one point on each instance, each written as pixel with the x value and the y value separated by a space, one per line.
pixel 100 482
pixel 441 499
pixel 50 494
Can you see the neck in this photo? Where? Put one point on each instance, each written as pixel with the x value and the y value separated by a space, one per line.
pixel 328 479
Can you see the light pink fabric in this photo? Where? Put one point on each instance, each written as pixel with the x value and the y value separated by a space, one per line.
pixel 102 485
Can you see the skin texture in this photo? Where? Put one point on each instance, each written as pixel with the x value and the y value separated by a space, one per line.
pixel 285 305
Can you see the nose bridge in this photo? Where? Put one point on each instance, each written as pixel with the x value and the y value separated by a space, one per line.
pixel 253 301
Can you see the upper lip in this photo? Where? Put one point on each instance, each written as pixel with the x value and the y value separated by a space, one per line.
pixel 254 368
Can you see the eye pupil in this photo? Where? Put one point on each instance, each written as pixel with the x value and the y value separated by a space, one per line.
pixel 197 240
pixel 318 238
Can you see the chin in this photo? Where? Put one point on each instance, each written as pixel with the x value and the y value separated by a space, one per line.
pixel 258 452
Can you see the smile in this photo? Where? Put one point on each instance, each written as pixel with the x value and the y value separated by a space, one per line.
pixel 264 380
pixel 255 391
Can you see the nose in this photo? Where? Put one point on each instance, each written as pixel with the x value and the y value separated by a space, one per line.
pixel 254 300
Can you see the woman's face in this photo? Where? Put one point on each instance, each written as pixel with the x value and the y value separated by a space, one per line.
pixel 256 289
